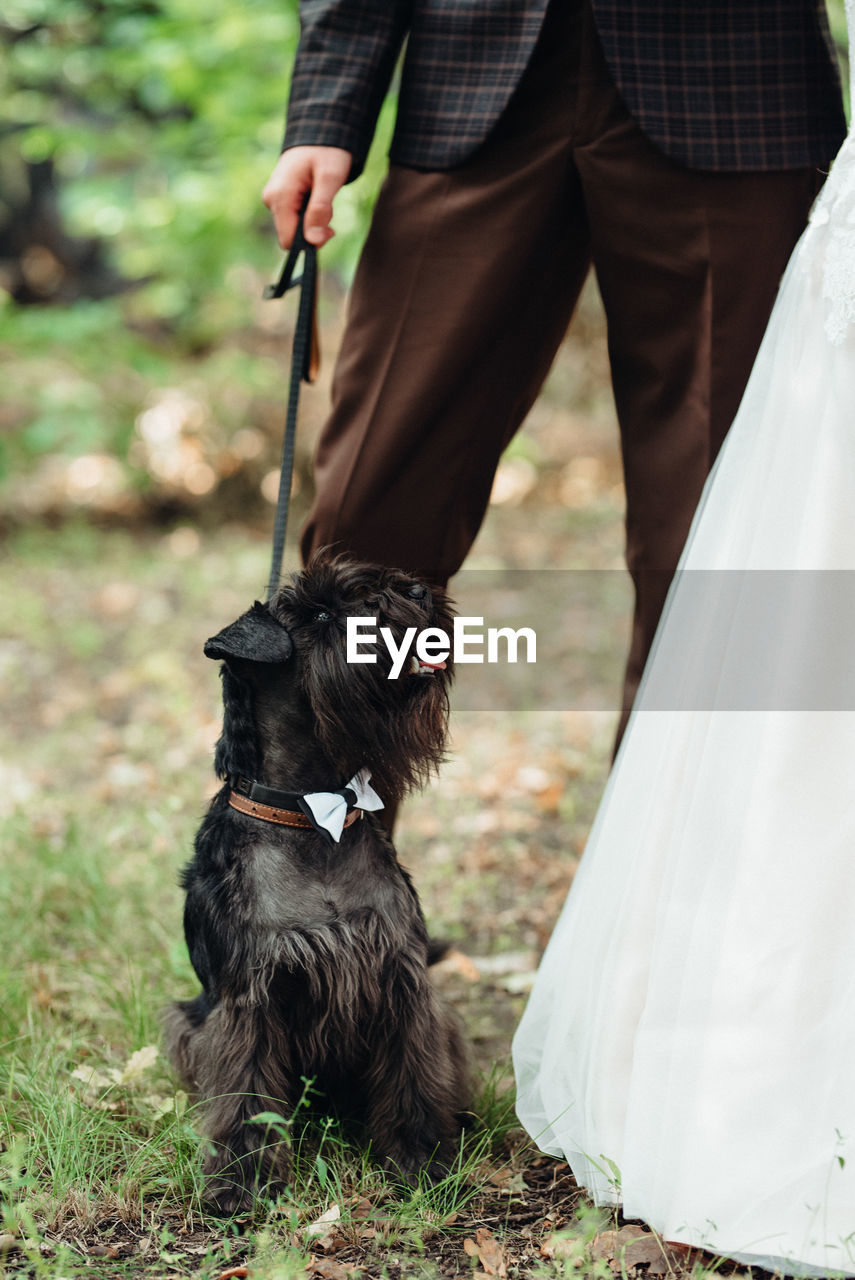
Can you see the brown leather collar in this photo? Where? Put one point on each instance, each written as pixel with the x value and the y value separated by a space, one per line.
pixel 284 817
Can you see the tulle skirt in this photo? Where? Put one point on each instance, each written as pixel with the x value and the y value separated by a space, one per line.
pixel 689 1045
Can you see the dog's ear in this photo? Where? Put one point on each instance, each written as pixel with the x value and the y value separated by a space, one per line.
pixel 256 636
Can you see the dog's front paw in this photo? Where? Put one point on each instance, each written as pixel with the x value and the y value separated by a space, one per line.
pixel 225 1198
pixel 236 1183
pixel 231 1183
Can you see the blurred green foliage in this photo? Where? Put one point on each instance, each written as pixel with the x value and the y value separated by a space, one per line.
pixel 162 120
pixel 837 20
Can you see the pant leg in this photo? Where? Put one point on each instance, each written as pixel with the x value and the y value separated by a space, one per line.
pixel 463 293
pixel 688 264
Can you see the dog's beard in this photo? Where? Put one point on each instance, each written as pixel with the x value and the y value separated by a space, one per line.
pixel 396 728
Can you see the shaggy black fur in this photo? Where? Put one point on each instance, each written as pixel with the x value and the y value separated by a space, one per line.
pixel 312 956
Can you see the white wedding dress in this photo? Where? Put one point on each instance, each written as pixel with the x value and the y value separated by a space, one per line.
pixel 689 1045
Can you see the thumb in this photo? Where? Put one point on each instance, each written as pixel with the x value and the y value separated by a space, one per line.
pixel 316 221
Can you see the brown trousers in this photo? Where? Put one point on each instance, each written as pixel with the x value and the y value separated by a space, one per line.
pixel 467 284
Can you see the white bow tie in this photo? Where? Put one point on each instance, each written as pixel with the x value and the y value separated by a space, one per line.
pixel 329 809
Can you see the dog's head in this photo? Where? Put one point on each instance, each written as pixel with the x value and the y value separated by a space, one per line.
pixel 292 656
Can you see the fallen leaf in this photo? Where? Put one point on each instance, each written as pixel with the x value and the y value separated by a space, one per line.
pixel 137 1063
pixel 531 778
pixel 92 1078
pixel 458 962
pixel 634 1246
pixel 549 799
pixel 329 1243
pixel 116 599
pixel 675 1246
pixel 329 1269
pixel 103 1251
pixel 560 1247
pixel 234 1273
pixel 508 1182
pixel 320 1226
pixel 516 983
pixel 488 1251
pixel 360 1208
pixel 506 962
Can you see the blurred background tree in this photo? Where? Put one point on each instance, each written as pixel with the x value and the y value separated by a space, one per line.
pixel 142 375
pixel 156 123
pixel 135 140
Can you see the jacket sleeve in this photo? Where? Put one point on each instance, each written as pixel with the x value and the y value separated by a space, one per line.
pixel 345 59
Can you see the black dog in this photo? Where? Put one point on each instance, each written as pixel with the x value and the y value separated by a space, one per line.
pixel 311 949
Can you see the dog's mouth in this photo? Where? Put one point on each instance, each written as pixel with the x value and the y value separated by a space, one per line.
pixel 419 668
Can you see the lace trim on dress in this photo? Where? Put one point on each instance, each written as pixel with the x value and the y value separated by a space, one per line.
pixel 838 284
pixel 834 211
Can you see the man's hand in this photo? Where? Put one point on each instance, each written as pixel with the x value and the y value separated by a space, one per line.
pixel 321 170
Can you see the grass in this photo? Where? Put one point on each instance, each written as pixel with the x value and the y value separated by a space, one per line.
pixel 105 768
pixel 98 1144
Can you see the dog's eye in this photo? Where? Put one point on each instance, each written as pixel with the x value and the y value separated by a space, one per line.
pixel 417 592
pixel 322 617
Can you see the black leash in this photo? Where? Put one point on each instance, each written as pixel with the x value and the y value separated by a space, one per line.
pixel 301 371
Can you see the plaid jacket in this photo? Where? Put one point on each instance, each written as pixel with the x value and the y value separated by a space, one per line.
pixel 717 84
